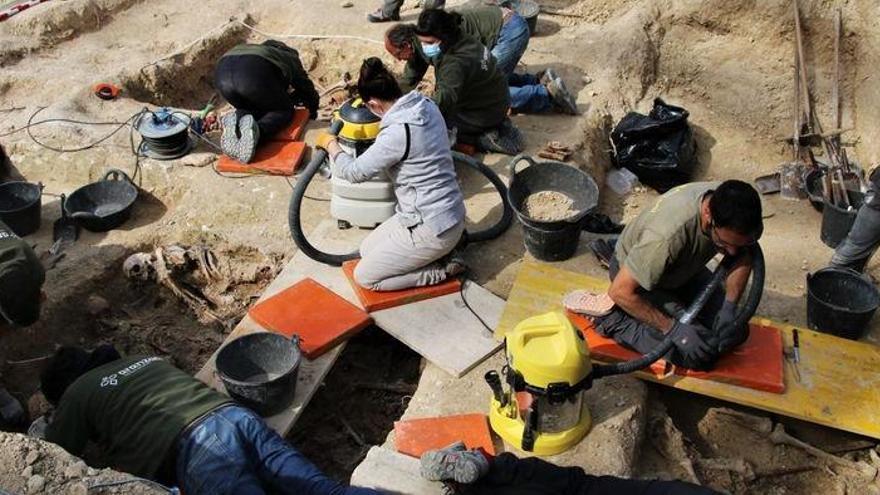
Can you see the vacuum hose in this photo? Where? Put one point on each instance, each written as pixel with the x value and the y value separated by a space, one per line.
pixel 294 216
pixel 743 315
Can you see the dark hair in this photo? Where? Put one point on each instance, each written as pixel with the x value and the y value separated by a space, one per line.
pixel 735 205
pixel 400 35
pixel 376 81
pixel 440 24
pixel 68 364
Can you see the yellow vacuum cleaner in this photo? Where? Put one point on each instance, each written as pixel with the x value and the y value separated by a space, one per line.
pixel 549 371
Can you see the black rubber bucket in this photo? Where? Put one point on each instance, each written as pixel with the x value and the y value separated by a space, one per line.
pixel 554 240
pixel 836 221
pixel 840 301
pixel 260 370
pixel 529 11
pixel 20 206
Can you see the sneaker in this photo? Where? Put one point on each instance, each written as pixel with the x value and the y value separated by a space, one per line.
pixel 454 463
pixel 250 135
pixel 603 251
pixel 229 138
pixel 379 16
pixel 561 97
pixel 505 138
pixel 455 264
pixel 548 75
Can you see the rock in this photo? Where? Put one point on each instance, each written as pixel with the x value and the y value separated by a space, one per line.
pixel 38 405
pixel 36 483
pixel 346 5
pixel 28 472
pixel 92 472
pixel 76 470
pixel 32 457
pixel 97 305
pixel 78 489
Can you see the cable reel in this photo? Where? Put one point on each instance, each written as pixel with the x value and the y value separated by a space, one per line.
pixel 164 133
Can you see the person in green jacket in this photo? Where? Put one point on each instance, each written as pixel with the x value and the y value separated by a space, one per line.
pixel 257 81
pixel 470 90
pixel 21 280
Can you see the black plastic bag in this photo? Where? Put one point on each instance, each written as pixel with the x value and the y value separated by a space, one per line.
pixel 659 148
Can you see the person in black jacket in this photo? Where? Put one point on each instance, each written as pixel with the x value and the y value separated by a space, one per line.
pixel 257 80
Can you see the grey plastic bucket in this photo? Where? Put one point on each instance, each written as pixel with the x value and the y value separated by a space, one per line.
pixel 260 370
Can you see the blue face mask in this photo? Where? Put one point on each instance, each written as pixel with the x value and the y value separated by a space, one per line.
pixel 431 50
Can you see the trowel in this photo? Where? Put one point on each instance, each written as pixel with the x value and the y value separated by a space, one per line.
pixel 64 231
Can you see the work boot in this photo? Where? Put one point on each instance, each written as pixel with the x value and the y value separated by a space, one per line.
pixel 250 135
pixel 548 75
pixel 505 138
pixel 229 138
pixel 379 16
pixel 454 463
pixel 561 96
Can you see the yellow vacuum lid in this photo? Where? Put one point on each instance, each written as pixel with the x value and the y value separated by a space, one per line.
pixel 546 349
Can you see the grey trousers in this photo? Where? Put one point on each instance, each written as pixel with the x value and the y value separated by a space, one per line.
pixel 856 249
pixel 641 337
pixel 392 7
pixel 394 257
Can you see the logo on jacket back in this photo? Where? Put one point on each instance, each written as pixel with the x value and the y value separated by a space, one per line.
pixel 113 380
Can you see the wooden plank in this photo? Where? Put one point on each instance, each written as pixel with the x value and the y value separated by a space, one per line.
pixel 444 331
pixel 393 473
pixel 840 379
pixel 312 372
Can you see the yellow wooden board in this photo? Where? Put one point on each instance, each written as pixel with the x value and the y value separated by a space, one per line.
pixel 839 379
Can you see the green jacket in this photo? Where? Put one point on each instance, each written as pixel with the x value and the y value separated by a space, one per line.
pixel 21 279
pixel 134 409
pixel 287 60
pixel 470 89
pixel 483 22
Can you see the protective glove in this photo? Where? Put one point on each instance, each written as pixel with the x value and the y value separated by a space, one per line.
pixel 725 316
pixel 687 339
pixel 324 140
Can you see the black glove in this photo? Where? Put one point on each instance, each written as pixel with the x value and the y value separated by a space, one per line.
pixel 725 316
pixel 688 341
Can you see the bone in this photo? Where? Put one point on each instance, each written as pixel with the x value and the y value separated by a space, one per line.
pixel 780 437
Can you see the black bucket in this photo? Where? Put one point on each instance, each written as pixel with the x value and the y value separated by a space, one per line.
pixel 840 301
pixel 837 221
pixel 551 240
pixel 529 10
pixel 260 370
pixel 20 206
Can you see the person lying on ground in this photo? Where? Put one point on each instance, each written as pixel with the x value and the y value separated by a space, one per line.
pixel 155 421
pixel 506 34
pixel 390 9
pixel 470 89
pixel 264 83
pixel 864 236
pixel 409 249
pixel 21 280
pixel 659 266
pixel 473 472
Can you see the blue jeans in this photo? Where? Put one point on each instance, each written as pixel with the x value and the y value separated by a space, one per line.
pixel 233 451
pixel 511 44
pixel 527 94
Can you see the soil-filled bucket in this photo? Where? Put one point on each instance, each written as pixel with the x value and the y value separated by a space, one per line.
pixel 260 370
pixel 554 240
pixel 837 221
pixel 840 301
pixel 529 11
pixel 20 206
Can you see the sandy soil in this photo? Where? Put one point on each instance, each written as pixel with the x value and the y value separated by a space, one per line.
pixel 548 206
pixel 728 63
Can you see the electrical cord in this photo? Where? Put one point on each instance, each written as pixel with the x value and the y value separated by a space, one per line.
pixel 467 305
pixel 289 183
pixel 33 138
pixel 134 479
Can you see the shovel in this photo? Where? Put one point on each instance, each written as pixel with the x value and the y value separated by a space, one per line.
pixel 64 230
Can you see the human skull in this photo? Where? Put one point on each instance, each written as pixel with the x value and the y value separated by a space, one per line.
pixel 140 266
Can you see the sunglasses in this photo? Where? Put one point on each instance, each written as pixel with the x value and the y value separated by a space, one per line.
pixel 721 243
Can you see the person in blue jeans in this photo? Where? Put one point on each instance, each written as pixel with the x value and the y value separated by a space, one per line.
pixel 506 34
pixel 155 421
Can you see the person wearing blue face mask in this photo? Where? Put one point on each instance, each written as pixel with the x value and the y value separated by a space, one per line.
pixel 471 90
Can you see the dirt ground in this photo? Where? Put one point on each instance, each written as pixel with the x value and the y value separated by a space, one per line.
pixel 728 63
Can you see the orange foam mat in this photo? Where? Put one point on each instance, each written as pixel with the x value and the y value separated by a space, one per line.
pixel 757 364
pixel 321 318
pixel 295 130
pixel 375 301
pixel 606 349
pixel 414 437
pixel 272 157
